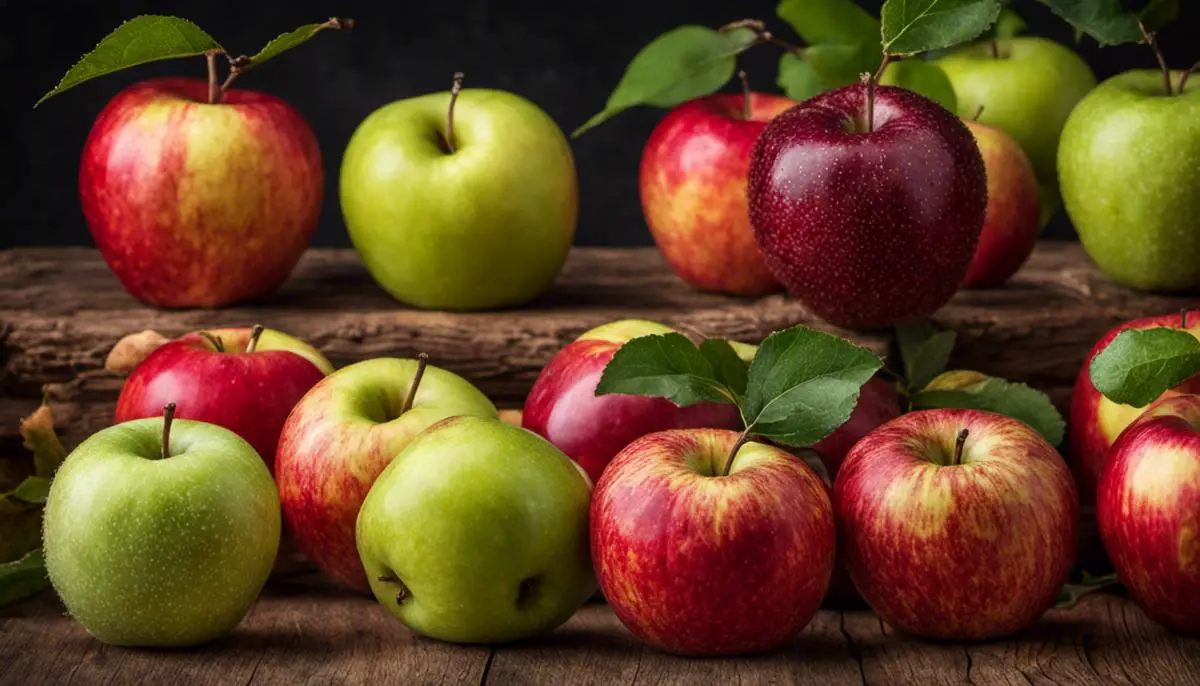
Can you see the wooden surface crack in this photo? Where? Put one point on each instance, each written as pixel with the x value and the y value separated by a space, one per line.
pixel 852 646
pixel 487 667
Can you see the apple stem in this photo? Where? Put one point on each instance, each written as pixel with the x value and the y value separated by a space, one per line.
pixel 168 417
pixel 214 341
pixel 958 446
pixel 422 362
pixel 255 334
pixel 995 50
pixel 455 89
pixel 1183 317
pixel 978 112
pixel 745 94
pixel 1162 62
pixel 869 81
pixel 401 595
pixel 733 453
pixel 213 88
pixel 1183 79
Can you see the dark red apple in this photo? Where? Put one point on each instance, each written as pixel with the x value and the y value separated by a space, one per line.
pixel 195 204
pixel 878 403
pixel 693 190
pixel 563 407
pixel 868 226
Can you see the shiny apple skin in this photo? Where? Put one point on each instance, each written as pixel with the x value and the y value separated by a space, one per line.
pixel 1148 509
pixel 868 229
pixel 563 408
pixel 692 184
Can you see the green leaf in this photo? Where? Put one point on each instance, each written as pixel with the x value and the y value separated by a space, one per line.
pixel 1071 593
pixel 291 39
pixel 1109 22
pixel 923 77
pixel 664 366
pixel 1009 24
pixel 140 40
pixel 831 21
pixel 33 490
pixel 23 578
pixel 728 368
pixel 925 352
pixel 37 430
pixel 683 64
pixel 1015 400
pixel 912 26
pixel 1140 364
pixel 803 384
pixel 798 79
pixel 840 64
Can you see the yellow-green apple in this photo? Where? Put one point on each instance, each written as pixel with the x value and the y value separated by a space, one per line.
pixel 868 224
pixel 342 434
pixel 198 204
pixel 244 379
pixel 1010 227
pixel 956 524
pixel 161 532
pixel 562 406
pixel 477 217
pixel 1027 87
pixel 1095 421
pixel 1129 164
pixel 697 561
pixel 477 533
pixel 1148 509
pixel 693 190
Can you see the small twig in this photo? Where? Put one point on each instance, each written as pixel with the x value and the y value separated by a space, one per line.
pixel 745 94
pixel 1162 62
pixel 1184 78
pixel 213 88
pixel 763 35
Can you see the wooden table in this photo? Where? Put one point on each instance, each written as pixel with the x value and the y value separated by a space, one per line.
pixel 61 311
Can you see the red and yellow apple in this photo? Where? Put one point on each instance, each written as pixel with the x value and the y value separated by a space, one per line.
pixel 693 191
pixel 697 563
pixel 1095 421
pixel 563 407
pixel 956 524
pixel 195 204
pixel 1010 226
pixel 1148 509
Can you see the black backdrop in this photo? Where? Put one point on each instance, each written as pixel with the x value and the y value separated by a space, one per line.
pixel 565 56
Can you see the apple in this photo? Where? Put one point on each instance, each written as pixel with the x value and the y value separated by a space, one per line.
pixel 693 191
pixel 1010 227
pixel 161 532
pixel 1148 509
pixel 956 524
pixel 244 379
pixel 1095 421
pixel 477 533
pixel 341 436
pixel 878 403
pixel 477 217
pixel 1129 163
pixel 195 204
pixel 1026 88
pixel 868 227
pixel 562 406
pixel 697 562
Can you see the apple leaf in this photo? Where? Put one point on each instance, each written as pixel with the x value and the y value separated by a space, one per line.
pixel 37 430
pixel 291 39
pixel 23 578
pixel 798 79
pixel 728 368
pixel 1071 593
pixel 1015 400
pixel 664 366
pixel 1137 366
pixel 32 491
pixel 1009 24
pixel 803 384
pixel 683 64
pixel 913 26
pixel 830 21
pixel 922 77
pixel 924 351
pixel 140 40
pixel 1109 22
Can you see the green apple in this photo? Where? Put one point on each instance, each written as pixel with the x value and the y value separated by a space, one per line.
pixel 480 223
pixel 1129 164
pixel 478 533
pixel 1027 89
pixel 148 547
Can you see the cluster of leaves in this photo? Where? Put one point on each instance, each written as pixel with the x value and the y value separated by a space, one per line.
pixel 1139 365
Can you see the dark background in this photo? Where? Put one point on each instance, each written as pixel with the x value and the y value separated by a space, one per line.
pixel 564 56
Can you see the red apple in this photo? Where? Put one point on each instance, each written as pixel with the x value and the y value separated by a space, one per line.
pixel 247 389
pixel 195 204
pixel 868 228
pixel 1096 421
pixel 699 564
pixel 1148 509
pixel 342 434
pixel 563 407
pixel 956 524
pixel 878 402
pixel 1010 228
pixel 693 190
